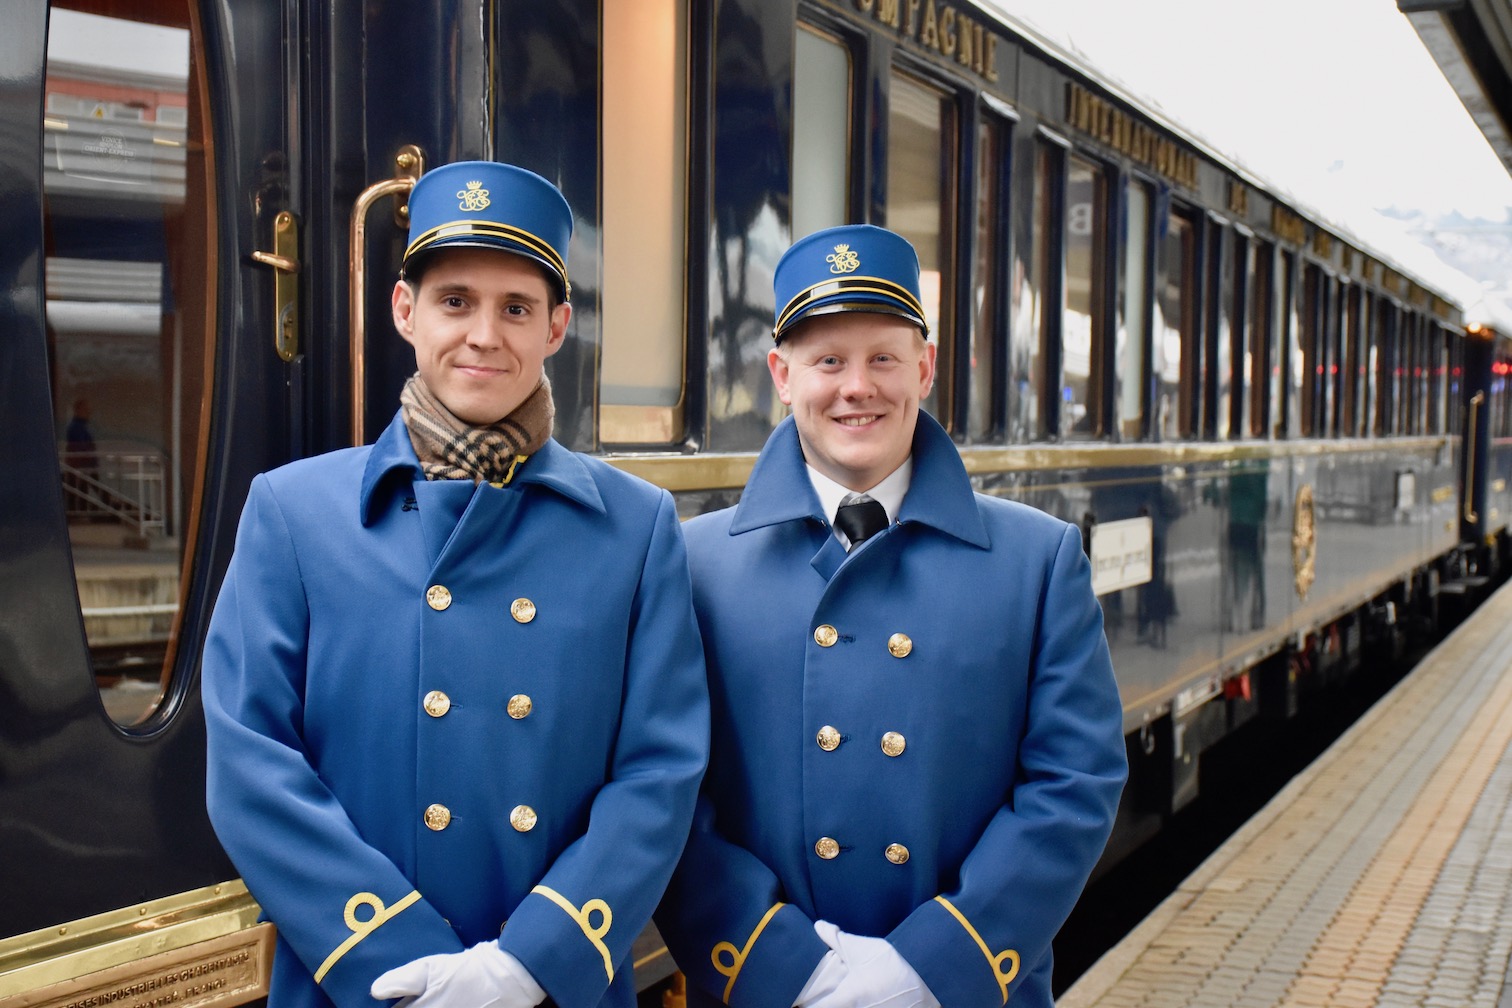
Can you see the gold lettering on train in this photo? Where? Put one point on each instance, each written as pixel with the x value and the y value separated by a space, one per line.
pixel 1102 120
pixel 941 28
pixel 1238 198
pixel 1323 243
pixel 1287 225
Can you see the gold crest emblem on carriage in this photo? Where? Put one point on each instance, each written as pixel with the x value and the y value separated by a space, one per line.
pixel 844 259
pixel 1304 541
pixel 474 197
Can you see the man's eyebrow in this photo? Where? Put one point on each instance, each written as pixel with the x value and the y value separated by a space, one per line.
pixel 457 287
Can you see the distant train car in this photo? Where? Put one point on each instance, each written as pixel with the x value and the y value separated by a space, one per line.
pixel 1257 416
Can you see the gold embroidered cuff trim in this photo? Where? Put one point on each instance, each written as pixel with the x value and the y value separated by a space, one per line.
pixel 362 928
pixel 731 969
pixel 1004 977
pixel 584 921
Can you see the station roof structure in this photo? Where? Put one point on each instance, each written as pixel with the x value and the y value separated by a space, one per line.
pixel 1471 40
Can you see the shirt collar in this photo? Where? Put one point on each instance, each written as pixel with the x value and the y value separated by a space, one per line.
pixel 938 494
pixel 889 493
pixel 392 464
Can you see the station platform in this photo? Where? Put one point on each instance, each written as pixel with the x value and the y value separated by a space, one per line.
pixel 1380 877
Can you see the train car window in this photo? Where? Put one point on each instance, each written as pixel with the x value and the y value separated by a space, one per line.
pixel 1333 355
pixel 1289 362
pixel 822 76
pixel 129 288
pixel 1412 371
pixel 1455 370
pixel 1349 367
pixel 1311 413
pixel 1084 277
pixel 645 139
pixel 1264 383
pixel 1133 330
pixel 921 145
pixel 1385 368
pixel 1240 335
pixel 1367 365
pixel 1438 373
pixel 1175 329
pixel 986 298
pixel 1219 353
pixel 1036 398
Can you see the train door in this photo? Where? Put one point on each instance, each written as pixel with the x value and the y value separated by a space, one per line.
pixel 160 163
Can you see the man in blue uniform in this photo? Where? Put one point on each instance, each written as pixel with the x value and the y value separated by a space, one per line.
pixel 917 737
pixel 454 687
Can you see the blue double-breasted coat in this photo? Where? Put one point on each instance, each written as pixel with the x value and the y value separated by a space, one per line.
pixel 921 739
pixel 435 708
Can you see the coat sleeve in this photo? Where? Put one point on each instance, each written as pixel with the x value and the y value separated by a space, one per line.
pixel 345 909
pixel 729 928
pixel 575 928
pixel 1027 870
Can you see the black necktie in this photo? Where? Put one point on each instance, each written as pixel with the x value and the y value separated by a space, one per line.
pixel 861 519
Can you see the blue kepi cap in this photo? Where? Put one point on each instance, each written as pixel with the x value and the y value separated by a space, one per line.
pixel 854 267
pixel 491 205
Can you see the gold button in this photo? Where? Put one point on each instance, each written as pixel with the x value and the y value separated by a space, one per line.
pixel 523 818
pixel 899 645
pixel 522 609
pixel 437 703
pixel 519 706
pixel 438 597
pixel 893 744
pixel 827 848
pixel 825 635
pixel 829 738
pixel 896 853
pixel 438 817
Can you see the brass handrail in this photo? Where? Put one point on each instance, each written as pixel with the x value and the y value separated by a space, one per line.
pixel 409 164
pixel 1471 515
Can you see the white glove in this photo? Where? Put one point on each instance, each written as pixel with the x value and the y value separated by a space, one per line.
pixel 484 976
pixel 876 974
pixel 823 981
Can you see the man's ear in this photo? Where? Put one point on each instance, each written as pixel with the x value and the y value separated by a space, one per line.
pixel 777 364
pixel 403 304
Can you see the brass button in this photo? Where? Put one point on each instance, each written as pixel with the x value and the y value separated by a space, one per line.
pixel 523 818
pixel 899 645
pixel 519 706
pixel 437 703
pixel 438 817
pixel 829 738
pixel 825 635
pixel 896 853
pixel 827 848
pixel 893 744
pixel 438 597
pixel 523 610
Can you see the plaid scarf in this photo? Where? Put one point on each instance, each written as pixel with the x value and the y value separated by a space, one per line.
pixel 450 448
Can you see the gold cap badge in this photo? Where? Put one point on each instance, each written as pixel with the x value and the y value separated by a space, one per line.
pixel 474 197
pixel 843 260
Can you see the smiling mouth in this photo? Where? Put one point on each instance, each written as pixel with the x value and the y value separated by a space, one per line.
pixel 857 421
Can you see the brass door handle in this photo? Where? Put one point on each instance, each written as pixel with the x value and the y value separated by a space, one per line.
pixel 285 265
pixel 1471 515
pixel 409 165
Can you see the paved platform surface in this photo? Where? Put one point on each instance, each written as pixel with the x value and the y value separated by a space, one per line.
pixel 1380 877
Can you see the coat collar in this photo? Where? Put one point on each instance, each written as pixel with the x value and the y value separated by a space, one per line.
pixel 392 465
pixel 939 495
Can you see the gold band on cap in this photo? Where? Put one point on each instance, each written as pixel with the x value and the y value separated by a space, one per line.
pixel 850 285
pixel 492 229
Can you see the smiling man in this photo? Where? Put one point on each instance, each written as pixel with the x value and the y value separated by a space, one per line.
pixel 454 693
pixel 917 738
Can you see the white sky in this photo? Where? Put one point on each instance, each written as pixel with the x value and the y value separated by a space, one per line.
pixel 1332 99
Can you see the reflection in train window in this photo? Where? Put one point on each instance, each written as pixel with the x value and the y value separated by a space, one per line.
pixel 1312 352
pixel 1243 267
pixel 1038 400
pixel 1350 370
pixel 1134 316
pixel 1081 413
pixel 921 139
pixel 1263 384
pixel 1175 330
pixel 129 276
pixel 822 97
pixel 986 287
pixel 1385 364
pixel 1220 329
pixel 645 97
pixel 1287 406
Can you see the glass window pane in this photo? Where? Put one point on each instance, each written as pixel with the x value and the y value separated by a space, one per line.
pixel 1262 339
pixel 644 220
pixel 1290 366
pixel 1221 273
pixel 920 146
pixel 1133 327
pixel 1081 319
pixel 1033 344
pixel 1175 329
pixel 128 318
pixel 991 143
pixel 821 133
